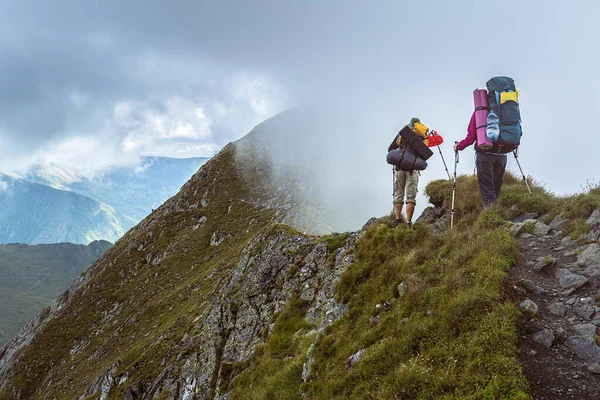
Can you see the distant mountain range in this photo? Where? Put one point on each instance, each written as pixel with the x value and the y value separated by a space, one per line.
pixel 32 276
pixel 53 203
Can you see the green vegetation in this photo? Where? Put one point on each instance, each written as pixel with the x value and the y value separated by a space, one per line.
pixel 448 333
pixel 32 276
pixel 515 200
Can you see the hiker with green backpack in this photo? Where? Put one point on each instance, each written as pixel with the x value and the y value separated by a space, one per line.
pixel 408 154
pixel 495 129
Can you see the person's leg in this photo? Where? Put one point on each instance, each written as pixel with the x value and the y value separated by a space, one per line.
pixel 410 210
pixel 399 182
pixel 485 177
pixel 398 210
pixel 499 168
pixel 412 184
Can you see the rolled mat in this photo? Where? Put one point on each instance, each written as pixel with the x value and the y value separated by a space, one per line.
pixel 406 160
pixel 482 109
pixel 415 141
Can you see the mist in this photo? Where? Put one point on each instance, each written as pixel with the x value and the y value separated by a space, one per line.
pixel 105 83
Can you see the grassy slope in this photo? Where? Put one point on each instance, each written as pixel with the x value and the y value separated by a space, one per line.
pixel 448 335
pixel 32 276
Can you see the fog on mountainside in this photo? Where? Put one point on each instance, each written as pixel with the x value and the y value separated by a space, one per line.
pixel 336 158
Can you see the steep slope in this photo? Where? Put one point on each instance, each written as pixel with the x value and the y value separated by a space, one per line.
pixel 32 276
pixel 131 190
pixel 33 214
pixel 210 297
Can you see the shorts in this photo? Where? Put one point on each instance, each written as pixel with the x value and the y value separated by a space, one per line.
pixel 405 183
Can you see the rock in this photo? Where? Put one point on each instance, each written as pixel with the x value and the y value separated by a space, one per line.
pixel 568 280
pixel 559 223
pixel 585 329
pixel 558 309
pixel 306 368
pixel 515 229
pixel 526 216
pixel 533 326
pixel 525 236
pixel 590 258
pixel 370 222
pixel 353 359
pixel 441 224
pixel 401 288
pixel 594 223
pixel 428 216
pixel 569 254
pixel 532 287
pixel 544 338
pixel 543 262
pixel 583 343
pixel 567 241
pixel 571 301
pixel 558 248
pixel 585 307
pixel 584 311
pixel 528 305
pixel 594 368
pixel 541 229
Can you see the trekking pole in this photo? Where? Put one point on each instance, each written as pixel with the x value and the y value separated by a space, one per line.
pixel 454 187
pixel 516 154
pixel 444 161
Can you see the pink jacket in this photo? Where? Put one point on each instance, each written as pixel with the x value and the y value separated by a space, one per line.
pixel 471 135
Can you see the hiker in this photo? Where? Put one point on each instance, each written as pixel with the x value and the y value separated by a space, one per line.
pixel 490 166
pixel 495 128
pixel 406 182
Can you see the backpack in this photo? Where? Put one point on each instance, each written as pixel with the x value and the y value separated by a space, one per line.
pixel 415 137
pixel 412 148
pixel 503 100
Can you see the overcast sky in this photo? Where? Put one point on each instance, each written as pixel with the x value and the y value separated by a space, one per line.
pixel 100 82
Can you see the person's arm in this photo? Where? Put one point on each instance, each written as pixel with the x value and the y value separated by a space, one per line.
pixel 394 144
pixel 471 135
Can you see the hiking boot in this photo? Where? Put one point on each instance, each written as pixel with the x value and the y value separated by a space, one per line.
pixel 397 222
pixel 409 223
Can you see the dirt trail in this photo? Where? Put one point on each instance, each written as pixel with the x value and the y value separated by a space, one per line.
pixel 558 335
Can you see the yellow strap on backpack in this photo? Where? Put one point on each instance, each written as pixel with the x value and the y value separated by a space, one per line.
pixel 509 96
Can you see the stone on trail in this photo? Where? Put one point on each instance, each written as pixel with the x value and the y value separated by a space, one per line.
pixel 541 229
pixel 559 223
pixel 590 258
pixel 557 309
pixel 544 338
pixel 594 223
pixel 528 216
pixel 583 343
pixel 528 305
pixel 568 280
pixel 543 262
pixel 532 287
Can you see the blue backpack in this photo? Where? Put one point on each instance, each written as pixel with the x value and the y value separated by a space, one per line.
pixel 504 101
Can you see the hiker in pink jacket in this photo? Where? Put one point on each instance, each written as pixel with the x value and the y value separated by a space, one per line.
pixel 490 166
